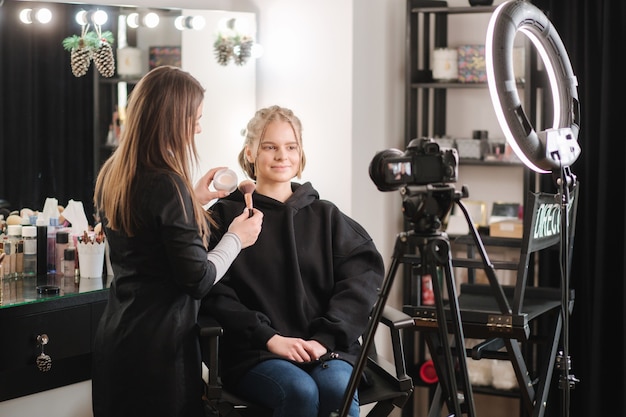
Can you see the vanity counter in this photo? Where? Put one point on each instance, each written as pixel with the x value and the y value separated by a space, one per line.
pixel 69 321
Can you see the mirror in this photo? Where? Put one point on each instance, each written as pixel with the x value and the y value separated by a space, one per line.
pixel 54 126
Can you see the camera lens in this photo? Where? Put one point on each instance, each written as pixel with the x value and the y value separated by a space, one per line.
pixel 379 171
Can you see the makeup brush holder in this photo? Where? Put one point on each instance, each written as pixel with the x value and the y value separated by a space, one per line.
pixel 91 266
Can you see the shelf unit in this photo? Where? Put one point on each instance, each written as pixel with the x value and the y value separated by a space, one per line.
pixel 426 116
pixel 105 96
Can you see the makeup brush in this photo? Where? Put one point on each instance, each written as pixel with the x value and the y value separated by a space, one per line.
pixel 247 188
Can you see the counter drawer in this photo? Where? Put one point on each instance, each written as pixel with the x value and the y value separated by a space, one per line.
pixel 68 330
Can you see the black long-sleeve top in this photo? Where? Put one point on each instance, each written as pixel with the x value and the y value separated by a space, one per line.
pixel 146 352
pixel 313 273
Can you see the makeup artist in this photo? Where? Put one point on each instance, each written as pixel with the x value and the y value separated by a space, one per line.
pixel 146 350
pixel 294 305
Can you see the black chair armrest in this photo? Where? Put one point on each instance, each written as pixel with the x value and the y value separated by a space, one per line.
pixel 209 327
pixel 209 333
pixel 395 320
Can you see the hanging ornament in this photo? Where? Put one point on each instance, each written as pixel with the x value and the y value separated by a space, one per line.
pixel 242 50
pixel 104 60
pixel 91 45
pixel 223 48
pixel 80 52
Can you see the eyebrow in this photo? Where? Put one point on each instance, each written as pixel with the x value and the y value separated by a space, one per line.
pixel 271 142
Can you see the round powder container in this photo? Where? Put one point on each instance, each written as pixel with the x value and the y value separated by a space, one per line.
pixel 225 180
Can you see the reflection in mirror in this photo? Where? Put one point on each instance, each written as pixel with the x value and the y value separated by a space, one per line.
pixel 57 127
pixel 48 116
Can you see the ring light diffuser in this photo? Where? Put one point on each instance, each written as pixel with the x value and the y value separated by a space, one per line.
pixel 557 146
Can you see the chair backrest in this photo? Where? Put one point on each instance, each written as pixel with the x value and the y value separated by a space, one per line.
pixel 543 228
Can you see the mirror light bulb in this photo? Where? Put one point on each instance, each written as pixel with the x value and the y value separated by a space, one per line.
pixel 198 22
pixel 99 17
pixel 189 22
pixel 151 20
pixel 179 23
pixel 25 16
pixel 132 20
pixel 81 17
pixel 43 16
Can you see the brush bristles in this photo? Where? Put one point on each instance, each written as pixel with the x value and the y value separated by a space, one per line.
pixel 247 187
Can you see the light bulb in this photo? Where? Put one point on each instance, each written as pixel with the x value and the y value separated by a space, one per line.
pixel 81 17
pixel 179 22
pixel 99 17
pixel 151 20
pixel 189 22
pixel 132 20
pixel 43 16
pixel 198 22
pixel 25 16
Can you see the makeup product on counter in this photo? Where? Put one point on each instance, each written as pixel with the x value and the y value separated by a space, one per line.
pixel 62 243
pixel 42 247
pixel 247 187
pixel 69 264
pixel 2 256
pixel 51 246
pixel 29 236
pixel 14 233
pixel 19 258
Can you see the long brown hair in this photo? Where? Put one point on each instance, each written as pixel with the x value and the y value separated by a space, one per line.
pixel 158 136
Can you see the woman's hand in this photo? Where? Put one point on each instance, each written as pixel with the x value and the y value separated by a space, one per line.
pixel 296 349
pixel 247 227
pixel 202 191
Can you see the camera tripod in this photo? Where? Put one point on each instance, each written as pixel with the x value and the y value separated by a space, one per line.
pixel 424 207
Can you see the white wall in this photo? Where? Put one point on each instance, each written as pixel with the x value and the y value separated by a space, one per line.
pixel 229 100
pixel 307 66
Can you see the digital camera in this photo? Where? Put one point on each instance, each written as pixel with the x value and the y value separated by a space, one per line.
pixel 422 163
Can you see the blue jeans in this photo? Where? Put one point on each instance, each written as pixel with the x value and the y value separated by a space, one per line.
pixel 292 391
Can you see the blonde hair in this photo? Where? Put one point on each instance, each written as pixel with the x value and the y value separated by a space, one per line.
pixel 158 137
pixel 256 131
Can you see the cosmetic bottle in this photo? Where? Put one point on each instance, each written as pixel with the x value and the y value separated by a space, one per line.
pixel 5 247
pixel 62 243
pixel 42 247
pixel 51 245
pixel 69 264
pixel 19 258
pixel 14 233
pixel 29 236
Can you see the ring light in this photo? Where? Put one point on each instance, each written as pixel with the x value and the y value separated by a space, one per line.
pixel 556 147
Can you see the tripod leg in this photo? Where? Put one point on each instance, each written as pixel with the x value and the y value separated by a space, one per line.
pixel 438 255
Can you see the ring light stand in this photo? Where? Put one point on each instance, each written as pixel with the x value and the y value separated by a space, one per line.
pixel 557 146
pixel 552 150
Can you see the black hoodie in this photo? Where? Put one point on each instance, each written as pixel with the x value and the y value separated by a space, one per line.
pixel 314 273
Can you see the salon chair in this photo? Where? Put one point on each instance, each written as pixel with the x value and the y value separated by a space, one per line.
pixel 388 386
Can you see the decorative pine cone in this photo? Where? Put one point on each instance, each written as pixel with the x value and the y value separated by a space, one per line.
pixel 80 58
pixel 223 49
pixel 244 52
pixel 104 60
pixel 44 362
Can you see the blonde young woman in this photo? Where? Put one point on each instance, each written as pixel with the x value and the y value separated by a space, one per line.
pixel 294 305
pixel 146 350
